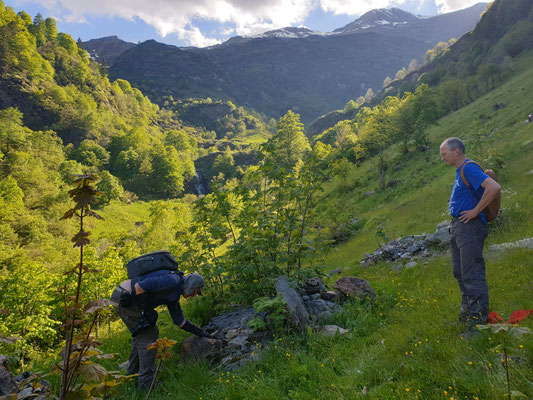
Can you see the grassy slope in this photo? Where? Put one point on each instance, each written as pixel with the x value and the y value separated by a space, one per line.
pixel 407 344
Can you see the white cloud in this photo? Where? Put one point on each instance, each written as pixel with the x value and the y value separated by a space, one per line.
pixel 244 17
pixel 453 5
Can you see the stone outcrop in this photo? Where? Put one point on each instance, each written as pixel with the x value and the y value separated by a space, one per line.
pixel 526 243
pixel 411 248
pixel 354 287
pixel 298 316
pixel 236 344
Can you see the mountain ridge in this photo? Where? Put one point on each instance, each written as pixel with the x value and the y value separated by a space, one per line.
pixel 290 68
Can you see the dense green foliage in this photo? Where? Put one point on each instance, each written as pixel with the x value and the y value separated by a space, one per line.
pixel 108 126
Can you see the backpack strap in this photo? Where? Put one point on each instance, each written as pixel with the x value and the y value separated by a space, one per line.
pixel 465 181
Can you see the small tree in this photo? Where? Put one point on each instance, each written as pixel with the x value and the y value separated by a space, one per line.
pixel 80 346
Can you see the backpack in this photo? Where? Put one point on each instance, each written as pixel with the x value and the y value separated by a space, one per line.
pixel 152 262
pixel 492 210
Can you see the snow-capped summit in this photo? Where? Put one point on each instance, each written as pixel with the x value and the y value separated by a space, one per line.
pixel 381 17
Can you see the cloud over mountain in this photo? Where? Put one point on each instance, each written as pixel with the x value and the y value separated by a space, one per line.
pixel 187 18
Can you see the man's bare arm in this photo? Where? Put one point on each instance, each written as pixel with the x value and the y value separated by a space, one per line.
pixel 491 190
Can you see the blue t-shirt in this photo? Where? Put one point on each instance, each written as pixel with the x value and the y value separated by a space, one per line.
pixel 162 287
pixel 462 198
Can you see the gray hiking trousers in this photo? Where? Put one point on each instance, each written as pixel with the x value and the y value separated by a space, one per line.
pixel 142 360
pixel 469 268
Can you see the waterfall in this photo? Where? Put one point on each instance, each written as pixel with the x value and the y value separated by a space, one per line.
pixel 199 183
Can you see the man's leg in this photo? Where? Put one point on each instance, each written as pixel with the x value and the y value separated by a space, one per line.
pixel 471 239
pixel 146 337
pixel 130 316
pixel 458 273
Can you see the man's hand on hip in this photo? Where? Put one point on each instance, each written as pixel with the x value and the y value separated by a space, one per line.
pixel 468 215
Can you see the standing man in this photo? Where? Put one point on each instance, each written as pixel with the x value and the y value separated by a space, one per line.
pixel 469 231
pixel 137 299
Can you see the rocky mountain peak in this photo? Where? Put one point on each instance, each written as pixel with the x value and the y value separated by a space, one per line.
pixel 380 18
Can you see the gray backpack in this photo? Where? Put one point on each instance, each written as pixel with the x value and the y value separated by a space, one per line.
pixel 158 260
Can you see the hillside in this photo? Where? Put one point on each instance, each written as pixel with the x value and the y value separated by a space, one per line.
pixel 406 344
pixel 280 70
pixel 471 66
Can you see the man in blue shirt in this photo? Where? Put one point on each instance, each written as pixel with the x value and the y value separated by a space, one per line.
pixel 469 231
pixel 137 299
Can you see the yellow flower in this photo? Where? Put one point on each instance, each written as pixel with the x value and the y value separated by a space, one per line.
pixel 321 365
pixel 521 346
pixel 407 389
pixel 469 362
pixel 490 364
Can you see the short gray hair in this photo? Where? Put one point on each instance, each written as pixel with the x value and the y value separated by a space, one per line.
pixel 454 143
pixel 193 281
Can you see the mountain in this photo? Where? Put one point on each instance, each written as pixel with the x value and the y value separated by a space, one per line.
pixel 470 67
pixel 106 49
pixel 309 72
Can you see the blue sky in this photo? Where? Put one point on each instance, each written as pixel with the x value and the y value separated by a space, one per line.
pixel 207 22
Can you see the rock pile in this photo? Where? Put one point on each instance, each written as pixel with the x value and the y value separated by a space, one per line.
pixel 411 248
pixel 21 386
pixel 309 306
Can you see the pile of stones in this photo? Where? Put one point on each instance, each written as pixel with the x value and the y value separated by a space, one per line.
pixel 23 386
pixel 410 249
pixel 307 307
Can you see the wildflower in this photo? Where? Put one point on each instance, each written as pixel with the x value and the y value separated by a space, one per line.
pixel 288 354
pixel 490 365
pixel 321 365
pixel 469 362
pixel 407 389
pixel 521 346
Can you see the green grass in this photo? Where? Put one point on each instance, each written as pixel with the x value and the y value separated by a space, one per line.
pixel 407 343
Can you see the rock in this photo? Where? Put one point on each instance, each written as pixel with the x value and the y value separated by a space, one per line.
pixel 25 393
pixel 322 308
pixel 314 285
pixel 298 315
pixel 335 271
pixel 415 248
pixel 519 244
pixel 237 319
pixel 232 333
pixel 239 343
pixel 124 366
pixel 7 383
pixel 441 236
pixel 332 330
pixel 392 183
pixel 354 287
pixel 370 193
pixel 195 348
pixel 397 267
pixel 410 265
pixel 332 295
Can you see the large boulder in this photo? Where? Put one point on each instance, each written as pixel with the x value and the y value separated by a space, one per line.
pixel 354 287
pixel 298 317
pixel 234 320
pixel 7 384
pixel 195 348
